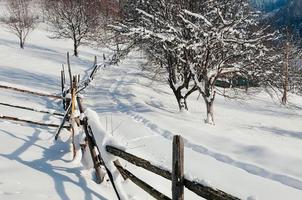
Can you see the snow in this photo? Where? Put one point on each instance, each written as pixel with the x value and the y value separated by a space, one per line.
pixel 103 139
pixel 199 17
pixel 253 152
pixel 236 147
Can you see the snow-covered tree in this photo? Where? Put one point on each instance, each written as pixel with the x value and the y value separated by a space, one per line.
pixel 227 42
pixel 198 42
pixel 154 26
pixel 19 20
pixel 79 20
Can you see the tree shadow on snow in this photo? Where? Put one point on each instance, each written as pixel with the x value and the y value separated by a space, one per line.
pixel 41 52
pixel 55 152
pixel 29 79
pixel 280 132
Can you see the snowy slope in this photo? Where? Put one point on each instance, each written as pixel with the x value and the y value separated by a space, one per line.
pixel 32 165
pixel 253 151
pixel 254 143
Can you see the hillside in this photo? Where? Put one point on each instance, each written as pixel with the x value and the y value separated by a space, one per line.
pixel 255 144
pixel 268 5
pixel 282 13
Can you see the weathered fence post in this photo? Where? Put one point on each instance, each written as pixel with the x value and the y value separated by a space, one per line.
pixel 94 156
pixel 72 115
pixel 69 69
pixel 73 94
pixel 178 168
pixel 63 88
pixel 64 77
pixel 62 81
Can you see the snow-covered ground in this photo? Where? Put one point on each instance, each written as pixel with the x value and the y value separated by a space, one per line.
pixel 253 151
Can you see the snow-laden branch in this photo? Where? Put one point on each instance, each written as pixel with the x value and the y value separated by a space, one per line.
pixel 198 16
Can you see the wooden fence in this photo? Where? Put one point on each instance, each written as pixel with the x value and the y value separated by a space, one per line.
pixel 176 175
pixel 71 98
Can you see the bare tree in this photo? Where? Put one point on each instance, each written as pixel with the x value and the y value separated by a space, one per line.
pixel 285 72
pixel 289 54
pixel 20 21
pixel 79 20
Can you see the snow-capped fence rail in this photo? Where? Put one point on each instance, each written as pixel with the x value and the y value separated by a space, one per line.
pixel 198 188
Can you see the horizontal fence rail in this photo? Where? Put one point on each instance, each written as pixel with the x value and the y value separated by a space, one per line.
pixel 149 189
pixel 29 121
pixel 31 92
pixel 32 109
pixel 199 189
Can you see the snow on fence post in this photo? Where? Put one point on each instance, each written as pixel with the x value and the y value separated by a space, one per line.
pixel 178 168
pixel 91 145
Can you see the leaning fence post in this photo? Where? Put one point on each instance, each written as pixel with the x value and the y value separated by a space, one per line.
pixel 94 156
pixel 178 168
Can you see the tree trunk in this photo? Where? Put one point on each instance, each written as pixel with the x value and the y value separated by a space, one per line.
pixel 209 98
pixel 181 100
pixel 182 103
pixel 285 76
pixel 210 112
pixel 75 49
pixel 284 97
pixel 21 44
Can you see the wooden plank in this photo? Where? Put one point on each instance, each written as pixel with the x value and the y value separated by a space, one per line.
pixel 69 69
pixel 207 192
pixel 30 92
pixel 72 119
pixel 85 83
pixel 199 189
pixel 178 168
pixel 73 94
pixel 31 109
pixel 63 122
pixel 107 170
pixel 62 81
pixel 143 185
pixel 27 121
pixel 64 77
pixel 139 162
pixel 94 156
pixel 96 161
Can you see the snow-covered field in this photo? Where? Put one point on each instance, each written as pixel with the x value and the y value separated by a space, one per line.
pixel 253 151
